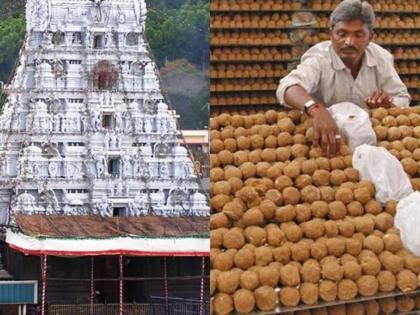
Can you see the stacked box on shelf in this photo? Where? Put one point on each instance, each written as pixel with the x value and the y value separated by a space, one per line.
pixel 291 228
pixel 254 35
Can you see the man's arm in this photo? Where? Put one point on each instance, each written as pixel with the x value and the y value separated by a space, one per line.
pixel 307 75
pixel 296 96
pixel 325 128
pixel 294 91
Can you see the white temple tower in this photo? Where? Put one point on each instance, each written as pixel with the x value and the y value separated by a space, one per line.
pixel 86 130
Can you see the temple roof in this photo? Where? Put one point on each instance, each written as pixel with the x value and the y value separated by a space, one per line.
pixel 91 235
pixel 58 226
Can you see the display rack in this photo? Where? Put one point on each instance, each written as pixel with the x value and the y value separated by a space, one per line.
pixel 256 43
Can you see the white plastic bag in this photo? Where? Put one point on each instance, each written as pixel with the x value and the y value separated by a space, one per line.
pixel 384 171
pixel 407 220
pixel 354 124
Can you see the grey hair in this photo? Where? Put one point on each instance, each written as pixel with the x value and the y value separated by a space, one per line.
pixel 350 10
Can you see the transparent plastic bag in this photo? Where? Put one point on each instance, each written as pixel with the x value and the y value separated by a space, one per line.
pixel 384 171
pixel 354 124
pixel 407 220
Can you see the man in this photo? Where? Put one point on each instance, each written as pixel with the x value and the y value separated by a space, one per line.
pixel 348 68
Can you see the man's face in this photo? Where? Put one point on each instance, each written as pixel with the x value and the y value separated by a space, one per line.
pixel 350 39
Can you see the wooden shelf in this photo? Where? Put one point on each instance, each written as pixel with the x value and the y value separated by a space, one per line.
pixel 284 60
pixel 244 91
pixel 250 105
pixel 245 47
pixel 256 60
pixel 250 77
pixel 268 90
pixel 410 59
pixel 400 44
pixel 251 45
pixel 307 10
pixel 277 76
pixel 301 28
pixel 408 74
pixel 267 28
pixel 269 105
pixel 218 108
pixel 252 91
pixel 259 90
pixel 291 44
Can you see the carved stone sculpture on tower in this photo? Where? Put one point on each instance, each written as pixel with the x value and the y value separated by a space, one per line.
pixel 92 131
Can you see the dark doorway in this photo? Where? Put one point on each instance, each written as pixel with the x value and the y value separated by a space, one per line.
pixel 107 121
pixel 119 212
pixel 113 166
pixel 98 42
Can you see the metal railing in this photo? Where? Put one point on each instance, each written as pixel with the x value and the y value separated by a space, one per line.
pixel 129 309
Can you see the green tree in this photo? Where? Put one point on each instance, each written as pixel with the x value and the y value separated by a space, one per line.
pixel 188 92
pixel 180 30
pixel 11 8
pixel 164 4
pixel 12 32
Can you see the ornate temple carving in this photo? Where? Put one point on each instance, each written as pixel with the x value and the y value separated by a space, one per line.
pixel 86 129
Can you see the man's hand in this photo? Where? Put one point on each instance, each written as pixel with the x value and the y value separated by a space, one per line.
pixel 379 99
pixel 325 131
